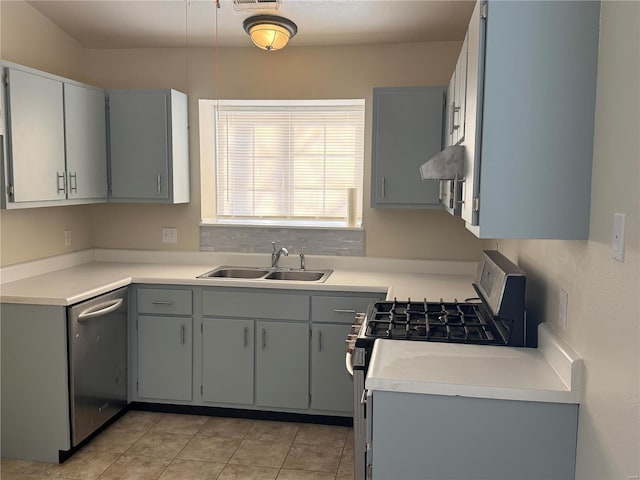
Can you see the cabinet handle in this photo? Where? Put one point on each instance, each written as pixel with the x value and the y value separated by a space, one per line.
pixel 383 187
pixel 344 310
pixel 264 339
pixel 319 340
pixel 162 302
pixel 183 332
pixel 159 186
pixel 246 337
pixel 363 398
pixel 73 182
pixel 63 177
pixel 454 110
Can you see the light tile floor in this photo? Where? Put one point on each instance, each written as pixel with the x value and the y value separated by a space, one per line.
pixel 161 446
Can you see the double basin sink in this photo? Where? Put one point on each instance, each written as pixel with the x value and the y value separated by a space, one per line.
pixel 260 273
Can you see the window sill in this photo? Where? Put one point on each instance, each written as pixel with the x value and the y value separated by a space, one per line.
pixel 339 226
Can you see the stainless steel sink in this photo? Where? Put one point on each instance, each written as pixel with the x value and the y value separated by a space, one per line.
pixel 248 273
pixel 259 273
pixel 299 275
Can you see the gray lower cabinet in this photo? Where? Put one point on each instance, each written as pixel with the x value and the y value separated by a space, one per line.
pixel 331 384
pixel 282 364
pixel 437 436
pixel 331 317
pixel 407 130
pixel 227 360
pixel 165 356
pixel 164 333
pixel 34 382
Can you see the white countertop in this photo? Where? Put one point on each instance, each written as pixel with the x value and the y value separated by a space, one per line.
pixel 550 373
pixel 66 286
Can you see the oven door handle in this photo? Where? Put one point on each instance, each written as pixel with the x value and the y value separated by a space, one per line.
pixel 348 363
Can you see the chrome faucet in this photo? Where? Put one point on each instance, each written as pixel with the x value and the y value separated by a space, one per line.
pixel 275 255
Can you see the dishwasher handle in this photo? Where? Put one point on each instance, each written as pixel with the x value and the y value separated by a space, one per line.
pixel 100 309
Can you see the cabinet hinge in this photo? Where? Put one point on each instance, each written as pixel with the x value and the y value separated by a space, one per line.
pixel 476 204
pixel 369 471
pixel 5 79
pixel 10 190
pixel 484 10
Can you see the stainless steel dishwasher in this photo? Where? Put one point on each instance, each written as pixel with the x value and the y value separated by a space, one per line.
pixel 97 362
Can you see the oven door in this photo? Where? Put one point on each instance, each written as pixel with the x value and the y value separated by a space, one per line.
pixel 357 366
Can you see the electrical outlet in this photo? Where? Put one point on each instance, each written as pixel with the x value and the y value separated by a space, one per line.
pixel 169 235
pixel 67 238
pixel 563 306
pixel 617 244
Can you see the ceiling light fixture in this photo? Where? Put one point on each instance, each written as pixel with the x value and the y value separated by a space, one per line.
pixel 269 32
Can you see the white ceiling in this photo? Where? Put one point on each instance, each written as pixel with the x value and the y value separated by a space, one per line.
pixel 176 23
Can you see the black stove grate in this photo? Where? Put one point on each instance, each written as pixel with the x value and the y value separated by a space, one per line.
pixel 433 321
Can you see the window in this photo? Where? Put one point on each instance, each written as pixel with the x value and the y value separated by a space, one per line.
pixel 289 162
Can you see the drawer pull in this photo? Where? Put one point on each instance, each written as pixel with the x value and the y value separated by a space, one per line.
pixel 344 310
pixel 162 302
pixel 246 337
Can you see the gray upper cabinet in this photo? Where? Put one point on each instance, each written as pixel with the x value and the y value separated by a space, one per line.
pixel 55 152
pixel 456 99
pixel 36 137
pixel 86 142
pixel 530 108
pixel 149 146
pixel 407 131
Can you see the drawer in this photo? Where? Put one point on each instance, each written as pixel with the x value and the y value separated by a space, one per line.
pixel 255 305
pixel 338 309
pixel 170 302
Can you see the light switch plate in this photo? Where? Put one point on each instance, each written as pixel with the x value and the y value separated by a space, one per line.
pixel 617 244
pixel 169 235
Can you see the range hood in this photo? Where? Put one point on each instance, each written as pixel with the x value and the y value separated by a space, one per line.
pixel 445 165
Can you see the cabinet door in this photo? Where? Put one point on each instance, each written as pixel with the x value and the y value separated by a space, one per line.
pixel 282 364
pixel 460 94
pixel 451 101
pixel 86 142
pixel 36 140
pixel 407 131
pixel 139 142
pixel 227 360
pixel 331 384
pixel 164 357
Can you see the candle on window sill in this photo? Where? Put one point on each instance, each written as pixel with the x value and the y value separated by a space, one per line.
pixel 352 207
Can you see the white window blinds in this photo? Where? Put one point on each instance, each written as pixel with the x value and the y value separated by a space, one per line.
pixel 289 161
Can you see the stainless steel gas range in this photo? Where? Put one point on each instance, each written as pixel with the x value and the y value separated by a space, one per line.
pixel 496 317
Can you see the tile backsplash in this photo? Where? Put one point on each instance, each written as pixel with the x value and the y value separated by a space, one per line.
pixel 311 241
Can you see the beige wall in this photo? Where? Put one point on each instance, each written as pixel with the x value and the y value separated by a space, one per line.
pixel 346 72
pixel 604 294
pixel 26 37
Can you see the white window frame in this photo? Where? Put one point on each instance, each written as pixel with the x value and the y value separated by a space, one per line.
pixel 353 200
